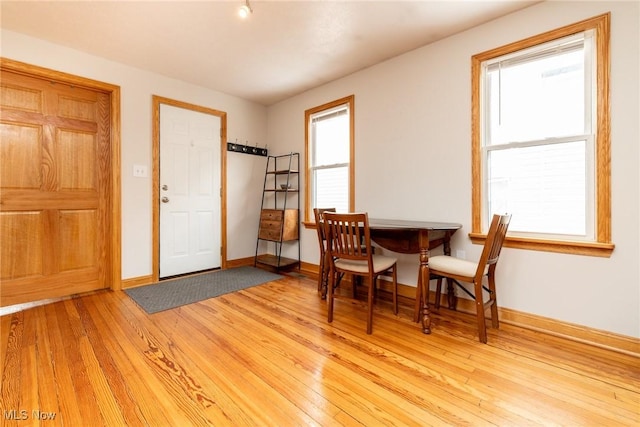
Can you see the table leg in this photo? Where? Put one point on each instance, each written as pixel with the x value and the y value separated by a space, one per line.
pixel 424 280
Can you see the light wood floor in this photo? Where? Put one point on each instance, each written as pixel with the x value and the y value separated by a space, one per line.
pixel 266 356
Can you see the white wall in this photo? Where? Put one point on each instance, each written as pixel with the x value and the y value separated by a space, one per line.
pixel 246 121
pixel 413 161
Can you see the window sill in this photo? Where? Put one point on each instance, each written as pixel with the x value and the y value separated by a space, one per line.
pixel 566 247
pixel 308 224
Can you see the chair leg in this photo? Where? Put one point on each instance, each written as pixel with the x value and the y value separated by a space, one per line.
pixel 330 285
pixel 417 308
pixel 436 303
pixel 482 327
pixel 494 302
pixel 395 290
pixel 321 274
pixel 452 299
pixel 372 285
pixel 375 289
pixel 324 285
pixel 324 278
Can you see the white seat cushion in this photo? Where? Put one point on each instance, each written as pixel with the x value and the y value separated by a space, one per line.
pixel 380 263
pixel 452 265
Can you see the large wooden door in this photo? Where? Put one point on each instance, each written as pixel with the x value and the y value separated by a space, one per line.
pixel 55 208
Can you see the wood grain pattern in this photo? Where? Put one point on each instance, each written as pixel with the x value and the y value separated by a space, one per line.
pixel 57 146
pixel 267 356
pixel 278 225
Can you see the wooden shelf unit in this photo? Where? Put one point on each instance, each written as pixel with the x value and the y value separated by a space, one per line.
pixel 279 211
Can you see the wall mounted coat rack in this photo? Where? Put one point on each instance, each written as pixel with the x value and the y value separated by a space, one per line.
pixel 239 148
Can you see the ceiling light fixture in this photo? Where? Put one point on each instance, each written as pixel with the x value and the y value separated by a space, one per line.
pixel 245 10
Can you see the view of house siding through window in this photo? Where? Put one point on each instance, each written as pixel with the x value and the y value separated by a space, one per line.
pixel 330 148
pixel 538 139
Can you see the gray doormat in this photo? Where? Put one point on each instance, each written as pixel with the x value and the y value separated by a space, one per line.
pixel 176 292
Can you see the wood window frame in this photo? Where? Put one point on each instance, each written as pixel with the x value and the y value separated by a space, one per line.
pixel 601 245
pixel 309 221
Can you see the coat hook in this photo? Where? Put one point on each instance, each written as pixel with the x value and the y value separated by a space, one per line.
pixel 239 148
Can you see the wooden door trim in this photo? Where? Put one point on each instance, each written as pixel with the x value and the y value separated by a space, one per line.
pixel 114 267
pixel 155 198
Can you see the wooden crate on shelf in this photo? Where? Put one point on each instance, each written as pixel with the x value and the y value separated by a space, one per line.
pixel 278 225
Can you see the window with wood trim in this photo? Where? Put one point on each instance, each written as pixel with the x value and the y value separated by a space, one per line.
pixel 329 148
pixel 540 142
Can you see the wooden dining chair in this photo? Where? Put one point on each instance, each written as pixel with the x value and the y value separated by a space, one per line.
pixel 460 270
pixel 350 252
pixel 323 269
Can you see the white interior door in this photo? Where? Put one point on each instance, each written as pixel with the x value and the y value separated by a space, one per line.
pixel 189 191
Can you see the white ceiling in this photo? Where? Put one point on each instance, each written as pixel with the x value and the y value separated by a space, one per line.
pixel 282 49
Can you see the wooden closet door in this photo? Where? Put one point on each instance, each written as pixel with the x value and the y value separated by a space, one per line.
pixel 54 189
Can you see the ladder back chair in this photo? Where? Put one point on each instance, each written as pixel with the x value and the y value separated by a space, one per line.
pixel 323 269
pixel 350 252
pixel 460 270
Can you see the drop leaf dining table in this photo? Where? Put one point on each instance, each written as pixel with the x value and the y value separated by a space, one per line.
pixel 416 237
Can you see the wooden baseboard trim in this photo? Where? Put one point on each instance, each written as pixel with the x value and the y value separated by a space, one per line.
pixel 137 281
pixel 308 269
pixel 599 338
pixel 578 333
pixel 240 262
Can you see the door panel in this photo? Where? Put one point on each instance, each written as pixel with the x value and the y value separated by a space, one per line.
pixel 178 240
pixel 76 154
pixel 54 189
pixel 22 233
pixel 22 144
pixel 189 185
pixel 204 226
pixel 76 228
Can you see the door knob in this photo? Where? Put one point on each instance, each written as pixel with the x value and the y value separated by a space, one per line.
pixel 165 199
